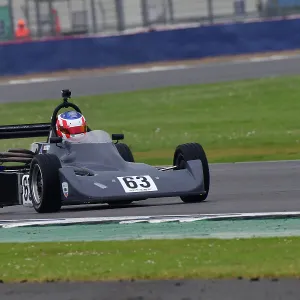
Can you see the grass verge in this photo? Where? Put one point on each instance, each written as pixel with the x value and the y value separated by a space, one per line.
pixel 234 121
pixel 156 259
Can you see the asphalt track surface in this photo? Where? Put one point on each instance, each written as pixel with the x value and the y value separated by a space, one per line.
pixel 235 188
pixel 156 290
pixel 242 187
pixel 116 82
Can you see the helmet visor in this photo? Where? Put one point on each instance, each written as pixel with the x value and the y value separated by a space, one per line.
pixel 74 130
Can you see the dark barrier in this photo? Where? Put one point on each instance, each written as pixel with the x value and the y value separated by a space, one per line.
pixel 171 45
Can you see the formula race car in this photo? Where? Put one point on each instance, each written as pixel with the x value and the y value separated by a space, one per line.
pixel 94 169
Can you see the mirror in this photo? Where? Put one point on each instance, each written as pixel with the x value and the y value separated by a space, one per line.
pixel 117 136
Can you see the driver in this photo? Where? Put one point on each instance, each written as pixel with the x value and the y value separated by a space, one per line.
pixel 71 126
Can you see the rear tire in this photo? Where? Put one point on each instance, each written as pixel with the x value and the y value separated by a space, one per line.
pixel 192 151
pixel 44 183
pixel 125 152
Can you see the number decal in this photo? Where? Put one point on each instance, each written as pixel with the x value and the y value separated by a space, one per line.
pixel 26 199
pixel 145 183
pixel 130 182
pixel 136 184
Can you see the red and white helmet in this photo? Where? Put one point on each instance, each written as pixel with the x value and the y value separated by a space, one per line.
pixel 71 125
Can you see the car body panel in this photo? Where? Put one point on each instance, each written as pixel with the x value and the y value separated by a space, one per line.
pixel 107 170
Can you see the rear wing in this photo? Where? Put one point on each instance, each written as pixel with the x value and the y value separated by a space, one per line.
pixel 24 131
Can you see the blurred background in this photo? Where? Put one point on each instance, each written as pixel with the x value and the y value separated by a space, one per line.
pixel 35 19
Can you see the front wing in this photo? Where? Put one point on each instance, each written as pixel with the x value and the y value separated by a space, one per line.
pixel 113 186
pixel 108 186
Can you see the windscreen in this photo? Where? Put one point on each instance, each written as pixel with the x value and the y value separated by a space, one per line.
pixel 92 137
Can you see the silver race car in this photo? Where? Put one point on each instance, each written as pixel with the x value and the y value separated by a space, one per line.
pixel 96 169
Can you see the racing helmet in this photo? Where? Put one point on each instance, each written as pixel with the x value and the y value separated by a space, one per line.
pixel 71 126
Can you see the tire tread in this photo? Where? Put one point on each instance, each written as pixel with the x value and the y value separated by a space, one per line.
pixel 125 152
pixel 51 200
pixel 194 151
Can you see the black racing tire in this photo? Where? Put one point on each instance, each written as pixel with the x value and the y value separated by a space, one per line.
pixel 125 152
pixel 192 151
pixel 44 169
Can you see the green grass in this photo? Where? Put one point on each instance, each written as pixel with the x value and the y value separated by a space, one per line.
pixel 158 259
pixel 235 121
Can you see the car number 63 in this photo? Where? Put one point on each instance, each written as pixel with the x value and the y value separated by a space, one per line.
pixel 135 184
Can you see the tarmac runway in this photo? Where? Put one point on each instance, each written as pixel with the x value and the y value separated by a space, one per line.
pixel 241 187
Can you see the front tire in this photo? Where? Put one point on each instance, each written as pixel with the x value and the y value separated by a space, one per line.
pixel 44 183
pixel 125 152
pixel 182 155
